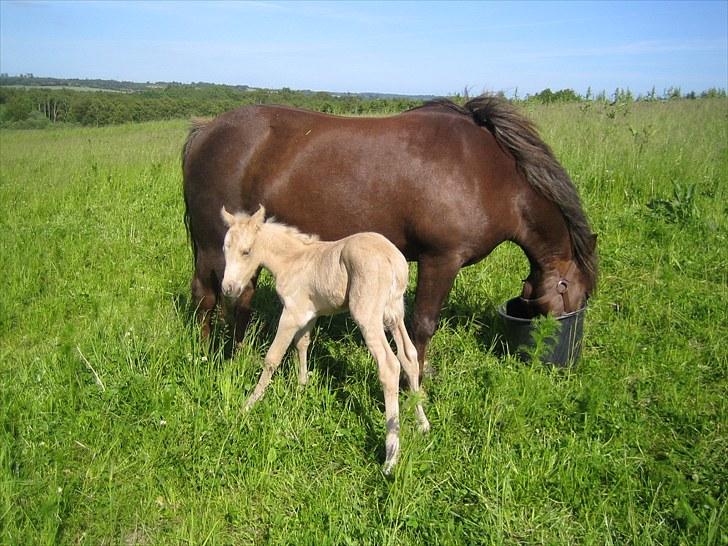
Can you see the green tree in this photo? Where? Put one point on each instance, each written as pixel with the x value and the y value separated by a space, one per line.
pixel 19 107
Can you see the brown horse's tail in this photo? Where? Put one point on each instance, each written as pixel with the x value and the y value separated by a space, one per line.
pixel 197 125
pixel 537 163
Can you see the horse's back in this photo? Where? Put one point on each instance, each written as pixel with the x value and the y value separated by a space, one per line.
pixel 410 177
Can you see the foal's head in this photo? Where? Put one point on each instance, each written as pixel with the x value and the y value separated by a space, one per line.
pixel 242 255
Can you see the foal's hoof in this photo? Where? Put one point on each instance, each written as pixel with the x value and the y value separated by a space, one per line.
pixel 391 458
pixel 387 468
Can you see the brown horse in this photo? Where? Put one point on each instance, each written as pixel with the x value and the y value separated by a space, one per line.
pixel 446 184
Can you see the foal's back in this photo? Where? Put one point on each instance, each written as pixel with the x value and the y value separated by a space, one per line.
pixel 372 254
pixel 377 276
pixel 364 272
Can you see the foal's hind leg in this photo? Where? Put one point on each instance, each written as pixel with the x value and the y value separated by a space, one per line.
pixel 376 341
pixel 407 355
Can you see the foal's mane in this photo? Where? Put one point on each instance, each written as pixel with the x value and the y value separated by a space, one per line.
pixel 290 230
pixel 518 135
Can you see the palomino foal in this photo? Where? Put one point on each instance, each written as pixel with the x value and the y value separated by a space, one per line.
pixel 364 272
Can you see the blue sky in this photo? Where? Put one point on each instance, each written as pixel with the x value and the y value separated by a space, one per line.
pixel 394 47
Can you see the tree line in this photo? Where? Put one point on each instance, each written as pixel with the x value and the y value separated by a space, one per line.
pixel 95 108
pixel 43 103
pixel 28 101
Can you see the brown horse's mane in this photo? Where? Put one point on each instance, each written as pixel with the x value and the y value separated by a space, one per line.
pixel 537 163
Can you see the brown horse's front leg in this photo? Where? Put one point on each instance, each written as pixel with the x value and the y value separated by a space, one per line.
pixel 204 295
pixel 435 275
pixel 241 310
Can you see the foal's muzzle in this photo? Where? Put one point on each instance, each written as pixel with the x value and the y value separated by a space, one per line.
pixel 231 289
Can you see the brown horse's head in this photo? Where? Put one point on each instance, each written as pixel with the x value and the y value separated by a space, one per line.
pixel 242 257
pixel 562 287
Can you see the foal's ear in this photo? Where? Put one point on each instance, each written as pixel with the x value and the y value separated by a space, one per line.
pixel 227 218
pixel 259 216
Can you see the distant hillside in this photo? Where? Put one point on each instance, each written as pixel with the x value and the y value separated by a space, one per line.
pixel 27 101
pixel 29 80
pixel 30 102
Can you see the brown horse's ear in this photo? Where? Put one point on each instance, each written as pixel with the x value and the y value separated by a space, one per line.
pixel 259 216
pixel 227 218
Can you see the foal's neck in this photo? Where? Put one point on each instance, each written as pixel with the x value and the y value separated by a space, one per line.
pixel 281 248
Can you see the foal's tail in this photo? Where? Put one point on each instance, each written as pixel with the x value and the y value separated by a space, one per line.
pixel 394 304
pixel 537 163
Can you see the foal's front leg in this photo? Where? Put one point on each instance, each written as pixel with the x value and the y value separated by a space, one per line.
pixel 287 328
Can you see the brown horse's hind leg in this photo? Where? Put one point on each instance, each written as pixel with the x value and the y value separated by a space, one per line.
pixel 435 275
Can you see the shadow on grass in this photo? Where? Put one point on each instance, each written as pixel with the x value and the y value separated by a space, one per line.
pixel 484 321
pixel 221 340
pixel 487 325
pixel 327 354
pixel 339 330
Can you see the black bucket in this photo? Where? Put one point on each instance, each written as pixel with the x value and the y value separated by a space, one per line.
pixel 563 349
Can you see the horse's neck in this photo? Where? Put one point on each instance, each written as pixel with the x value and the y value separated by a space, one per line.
pixel 281 249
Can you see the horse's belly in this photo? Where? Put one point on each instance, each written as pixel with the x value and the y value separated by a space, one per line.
pixel 329 304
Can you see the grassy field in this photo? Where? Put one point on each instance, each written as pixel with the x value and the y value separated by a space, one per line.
pixel 118 427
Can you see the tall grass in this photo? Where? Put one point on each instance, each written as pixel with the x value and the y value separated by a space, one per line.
pixel 118 427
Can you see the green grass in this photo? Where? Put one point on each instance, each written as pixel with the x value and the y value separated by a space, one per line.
pixel 118 427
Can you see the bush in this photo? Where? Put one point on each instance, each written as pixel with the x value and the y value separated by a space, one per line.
pixel 35 120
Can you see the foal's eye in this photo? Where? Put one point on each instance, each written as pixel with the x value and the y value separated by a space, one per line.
pixel 246 253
